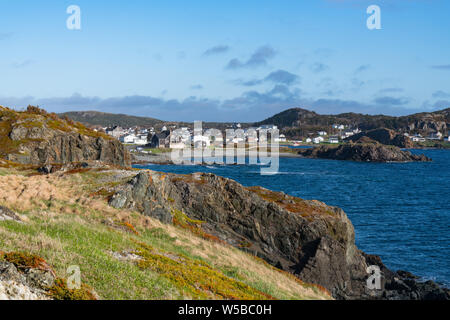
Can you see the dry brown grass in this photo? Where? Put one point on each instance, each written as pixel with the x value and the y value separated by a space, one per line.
pixel 68 200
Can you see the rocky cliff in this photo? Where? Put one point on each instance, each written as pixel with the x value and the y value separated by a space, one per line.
pixel 314 241
pixel 367 152
pixel 37 138
pixel 384 136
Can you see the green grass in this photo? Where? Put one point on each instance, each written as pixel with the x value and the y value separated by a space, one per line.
pixel 176 261
pixel 89 246
pixel 158 150
pixel 433 144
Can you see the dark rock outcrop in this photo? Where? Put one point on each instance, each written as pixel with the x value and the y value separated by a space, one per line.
pixel 63 147
pixel 314 241
pixel 384 136
pixel 38 138
pixel 370 152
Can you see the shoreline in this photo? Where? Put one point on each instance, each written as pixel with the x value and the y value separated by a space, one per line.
pixel 165 158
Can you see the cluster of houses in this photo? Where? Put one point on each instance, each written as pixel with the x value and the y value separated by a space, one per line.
pixel 174 138
pixel 324 136
pixel 132 135
pixel 433 136
pixel 178 138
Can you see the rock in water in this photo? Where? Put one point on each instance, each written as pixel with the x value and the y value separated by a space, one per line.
pixel 367 152
pixel 384 136
pixel 314 241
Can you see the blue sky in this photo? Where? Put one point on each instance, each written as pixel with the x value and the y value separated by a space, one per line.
pixel 228 60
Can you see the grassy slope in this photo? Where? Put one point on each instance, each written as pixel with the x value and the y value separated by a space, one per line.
pixel 67 221
pixel 109 119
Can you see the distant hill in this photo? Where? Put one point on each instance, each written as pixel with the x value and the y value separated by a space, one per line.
pixel 297 121
pixel 95 118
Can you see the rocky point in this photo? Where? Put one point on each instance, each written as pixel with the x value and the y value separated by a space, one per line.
pixel 35 137
pixel 310 239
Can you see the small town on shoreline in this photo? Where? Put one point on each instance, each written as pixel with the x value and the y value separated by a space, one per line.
pixel 151 138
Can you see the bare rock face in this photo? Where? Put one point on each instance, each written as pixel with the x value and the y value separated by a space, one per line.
pixel 367 152
pixel 384 136
pixel 64 148
pixel 38 138
pixel 314 241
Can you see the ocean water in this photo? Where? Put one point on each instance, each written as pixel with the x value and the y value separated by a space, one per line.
pixel 401 211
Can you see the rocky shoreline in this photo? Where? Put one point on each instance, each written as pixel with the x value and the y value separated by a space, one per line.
pixel 165 158
pixel 313 241
pixel 363 152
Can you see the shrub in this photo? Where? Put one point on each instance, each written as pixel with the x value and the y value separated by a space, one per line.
pixel 60 291
pixel 36 110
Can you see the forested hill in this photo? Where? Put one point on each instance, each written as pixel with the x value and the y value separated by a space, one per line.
pixel 297 117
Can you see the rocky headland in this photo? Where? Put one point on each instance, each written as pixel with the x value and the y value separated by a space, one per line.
pixel 35 137
pixel 366 150
pixel 313 241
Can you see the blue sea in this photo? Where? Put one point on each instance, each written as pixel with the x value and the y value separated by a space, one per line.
pixel 401 211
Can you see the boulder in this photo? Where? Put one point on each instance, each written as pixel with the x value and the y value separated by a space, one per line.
pixel 8 215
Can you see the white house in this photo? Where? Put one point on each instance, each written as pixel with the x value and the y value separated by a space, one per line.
pixel 201 141
pixel 435 136
pixel 333 140
pixel 133 139
pixel 129 138
pixel 339 126
pixel 318 140
pixel 308 140
pixel 141 140
pixel 417 138
pixel 268 127
pixel 281 138
pixel 115 132
pixel 348 133
pixel 238 140
pixel 322 133
pixel 177 145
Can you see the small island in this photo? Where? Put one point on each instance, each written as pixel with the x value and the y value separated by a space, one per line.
pixel 365 150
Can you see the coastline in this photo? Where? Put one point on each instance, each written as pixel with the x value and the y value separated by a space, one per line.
pixel 165 158
pixel 317 171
